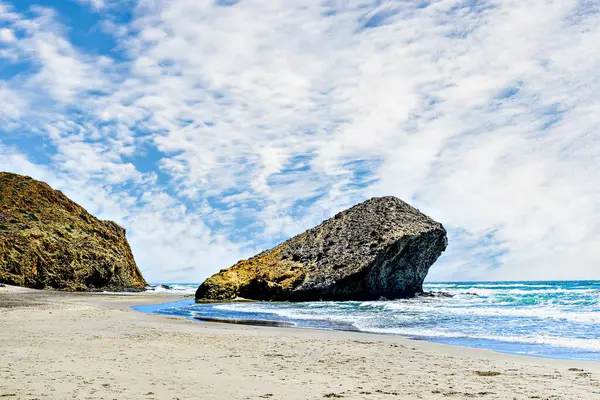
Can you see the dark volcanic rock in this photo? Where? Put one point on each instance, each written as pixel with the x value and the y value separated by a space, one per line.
pixel 436 294
pixel 380 248
pixel 48 241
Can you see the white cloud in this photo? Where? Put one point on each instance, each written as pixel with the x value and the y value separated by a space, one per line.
pixel 7 35
pixel 13 106
pixel 94 4
pixel 481 114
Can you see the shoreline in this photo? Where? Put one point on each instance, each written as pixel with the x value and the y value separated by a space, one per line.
pixel 96 346
pixel 443 340
pixel 124 301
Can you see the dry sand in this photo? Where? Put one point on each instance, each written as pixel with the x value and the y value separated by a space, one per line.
pixel 86 346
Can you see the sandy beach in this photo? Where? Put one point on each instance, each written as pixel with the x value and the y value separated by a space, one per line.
pixel 93 346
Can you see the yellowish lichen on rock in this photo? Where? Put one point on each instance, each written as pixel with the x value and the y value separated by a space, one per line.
pixel 48 241
pixel 266 273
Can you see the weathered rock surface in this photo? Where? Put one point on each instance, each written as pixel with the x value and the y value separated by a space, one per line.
pixel 380 248
pixel 48 241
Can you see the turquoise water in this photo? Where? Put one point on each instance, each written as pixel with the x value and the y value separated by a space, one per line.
pixel 543 319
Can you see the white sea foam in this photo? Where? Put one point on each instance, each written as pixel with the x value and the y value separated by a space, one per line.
pixel 548 311
pixel 567 316
pixel 282 312
pixel 574 343
pixel 533 312
pixel 368 324
pixel 384 310
pixel 503 291
pixel 173 288
pixel 484 286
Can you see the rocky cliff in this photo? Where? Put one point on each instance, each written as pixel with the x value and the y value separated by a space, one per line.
pixel 380 248
pixel 48 241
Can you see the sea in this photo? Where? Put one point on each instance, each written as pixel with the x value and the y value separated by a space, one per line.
pixel 554 319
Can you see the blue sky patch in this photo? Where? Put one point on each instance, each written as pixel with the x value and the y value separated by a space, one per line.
pixel 226 3
pixel 508 92
pixel 377 19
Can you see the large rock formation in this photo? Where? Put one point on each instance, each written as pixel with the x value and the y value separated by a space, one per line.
pixel 380 248
pixel 48 241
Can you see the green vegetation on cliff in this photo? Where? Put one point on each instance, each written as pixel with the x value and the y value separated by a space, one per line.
pixel 48 241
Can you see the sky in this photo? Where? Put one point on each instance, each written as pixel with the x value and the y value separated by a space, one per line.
pixel 212 130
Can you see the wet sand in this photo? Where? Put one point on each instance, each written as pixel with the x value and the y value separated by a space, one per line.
pixel 94 346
